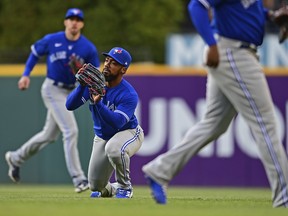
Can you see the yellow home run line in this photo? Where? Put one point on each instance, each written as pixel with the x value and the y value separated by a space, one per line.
pixel 11 70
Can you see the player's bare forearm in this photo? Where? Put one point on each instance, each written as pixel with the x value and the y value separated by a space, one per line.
pixel 24 83
pixel 213 56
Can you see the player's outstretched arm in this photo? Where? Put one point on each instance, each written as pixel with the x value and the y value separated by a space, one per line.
pixel 77 97
pixel 24 81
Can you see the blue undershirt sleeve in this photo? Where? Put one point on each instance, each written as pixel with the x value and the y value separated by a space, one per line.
pixel 200 18
pixel 77 97
pixel 114 119
pixel 30 63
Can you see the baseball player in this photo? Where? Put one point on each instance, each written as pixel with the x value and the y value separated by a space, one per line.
pixel 60 48
pixel 235 84
pixel 118 136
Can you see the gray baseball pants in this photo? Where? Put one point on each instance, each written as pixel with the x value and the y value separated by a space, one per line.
pixel 113 155
pixel 237 85
pixel 58 120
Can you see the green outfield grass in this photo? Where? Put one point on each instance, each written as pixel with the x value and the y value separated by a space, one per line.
pixel 61 200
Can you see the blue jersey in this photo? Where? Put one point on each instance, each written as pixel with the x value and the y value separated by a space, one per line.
pixel 58 50
pixel 114 113
pixel 242 20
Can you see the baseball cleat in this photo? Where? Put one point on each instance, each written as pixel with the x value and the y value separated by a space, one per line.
pixel 82 186
pixel 158 191
pixel 14 171
pixel 124 193
pixel 95 194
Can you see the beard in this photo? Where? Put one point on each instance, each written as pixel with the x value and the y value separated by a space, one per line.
pixel 109 78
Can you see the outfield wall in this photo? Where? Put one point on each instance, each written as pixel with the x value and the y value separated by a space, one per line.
pixel 171 100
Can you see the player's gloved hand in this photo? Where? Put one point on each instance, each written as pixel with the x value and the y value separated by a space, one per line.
pixel 90 76
pixel 80 77
pixel 280 17
pixel 75 63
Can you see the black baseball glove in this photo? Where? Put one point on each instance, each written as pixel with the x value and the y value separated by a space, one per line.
pixel 280 17
pixel 90 76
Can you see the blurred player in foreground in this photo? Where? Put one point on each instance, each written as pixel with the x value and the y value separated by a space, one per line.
pixel 236 84
pixel 118 136
pixel 66 51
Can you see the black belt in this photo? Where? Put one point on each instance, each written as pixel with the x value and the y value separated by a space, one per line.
pixel 249 46
pixel 64 85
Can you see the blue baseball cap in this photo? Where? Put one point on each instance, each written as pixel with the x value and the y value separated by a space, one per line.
pixel 74 12
pixel 120 55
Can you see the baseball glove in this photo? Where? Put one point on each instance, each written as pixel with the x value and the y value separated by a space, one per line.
pixel 90 76
pixel 280 17
pixel 75 63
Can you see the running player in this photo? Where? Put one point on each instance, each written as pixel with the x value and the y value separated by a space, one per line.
pixel 118 136
pixel 59 47
pixel 236 84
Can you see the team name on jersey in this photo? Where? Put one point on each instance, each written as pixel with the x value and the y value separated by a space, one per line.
pixel 111 106
pixel 57 56
pixel 247 3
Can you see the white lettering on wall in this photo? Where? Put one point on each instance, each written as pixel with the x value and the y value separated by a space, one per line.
pixel 272 53
pixel 187 50
pixel 184 50
pixel 156 136
pixel 170 119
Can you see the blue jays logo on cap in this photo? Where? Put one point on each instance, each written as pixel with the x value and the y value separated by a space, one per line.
pixel 120 55
pixel 117 51
pixel 74 12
